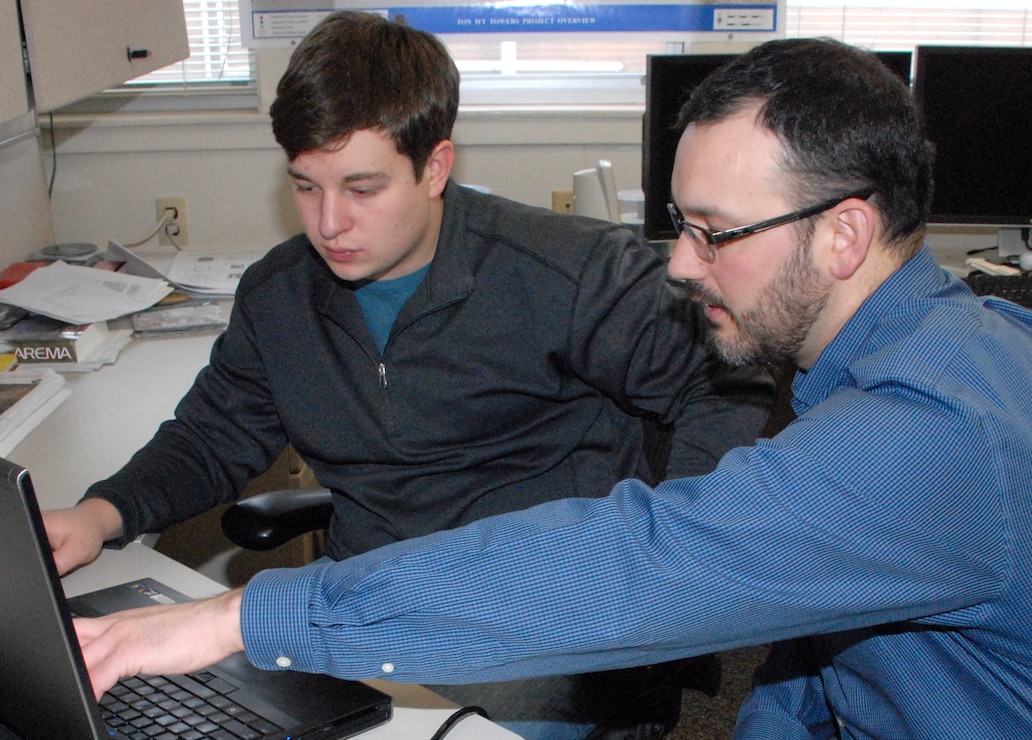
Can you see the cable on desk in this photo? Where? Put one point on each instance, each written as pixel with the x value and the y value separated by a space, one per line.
pixel 457 717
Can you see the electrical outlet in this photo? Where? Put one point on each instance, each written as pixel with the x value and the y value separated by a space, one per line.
pixel 562 201
pixel 176 230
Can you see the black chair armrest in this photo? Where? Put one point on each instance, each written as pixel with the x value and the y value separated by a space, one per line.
pixel 267 520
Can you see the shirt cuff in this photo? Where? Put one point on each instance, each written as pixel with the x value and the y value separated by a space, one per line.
pixel 275 622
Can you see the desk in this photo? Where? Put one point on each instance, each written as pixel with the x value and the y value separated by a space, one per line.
pixel 110 414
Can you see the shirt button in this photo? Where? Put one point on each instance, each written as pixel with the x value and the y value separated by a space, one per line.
pixel 284 662
pixel 387 668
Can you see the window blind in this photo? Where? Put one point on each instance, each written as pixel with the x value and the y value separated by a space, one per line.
pixel 887 25
pixel 216 53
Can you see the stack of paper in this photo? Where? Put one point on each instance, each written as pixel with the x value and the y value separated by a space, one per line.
pixel 27 396
pixel 79 296
pixel 193 316
pixel 212 274
pixel 83 295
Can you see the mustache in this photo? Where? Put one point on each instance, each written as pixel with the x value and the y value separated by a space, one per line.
pixel 696 292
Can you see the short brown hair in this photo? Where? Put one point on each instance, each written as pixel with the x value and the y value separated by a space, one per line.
pixel 359 71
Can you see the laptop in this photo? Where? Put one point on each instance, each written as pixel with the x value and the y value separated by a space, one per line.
pixel 45 691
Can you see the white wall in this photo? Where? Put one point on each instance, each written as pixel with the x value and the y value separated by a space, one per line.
pixel 24 208
pixel 227 165
pixel 111 168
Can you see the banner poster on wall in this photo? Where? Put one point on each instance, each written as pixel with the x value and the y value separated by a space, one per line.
pixel 285 22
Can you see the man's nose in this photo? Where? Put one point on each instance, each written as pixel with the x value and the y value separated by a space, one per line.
pixel 334 216
pixel 685 263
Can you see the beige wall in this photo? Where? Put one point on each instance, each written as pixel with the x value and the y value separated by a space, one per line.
pixel 24 209
pixel 111 168
pixel 108 170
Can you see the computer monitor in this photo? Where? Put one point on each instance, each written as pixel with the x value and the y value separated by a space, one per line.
pixel 900 63
pixel 977 106
pixel 669 81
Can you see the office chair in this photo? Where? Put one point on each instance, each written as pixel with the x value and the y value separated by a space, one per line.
pixel 272 518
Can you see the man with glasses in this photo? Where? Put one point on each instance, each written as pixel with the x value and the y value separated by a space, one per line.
pixel 436 355
pixel 882 541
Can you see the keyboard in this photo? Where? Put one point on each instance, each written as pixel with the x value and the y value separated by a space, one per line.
pixel 1015 288
pixel 193 707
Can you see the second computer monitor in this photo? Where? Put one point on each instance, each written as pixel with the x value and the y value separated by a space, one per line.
pixel 977 106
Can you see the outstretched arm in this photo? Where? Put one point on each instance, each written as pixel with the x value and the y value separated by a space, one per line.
pixel 179 638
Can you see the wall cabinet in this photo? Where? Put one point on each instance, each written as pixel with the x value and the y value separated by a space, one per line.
pixel 76 49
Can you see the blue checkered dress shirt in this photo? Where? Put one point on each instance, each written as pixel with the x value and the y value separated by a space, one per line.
pixel 883 541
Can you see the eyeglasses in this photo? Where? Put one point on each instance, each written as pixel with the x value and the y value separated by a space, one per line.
pixel 706 242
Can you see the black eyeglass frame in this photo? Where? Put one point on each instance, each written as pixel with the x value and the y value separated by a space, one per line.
pixel 716 239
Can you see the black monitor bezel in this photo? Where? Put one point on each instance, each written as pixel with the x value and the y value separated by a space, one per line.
pixel 951 213
pixel 659 137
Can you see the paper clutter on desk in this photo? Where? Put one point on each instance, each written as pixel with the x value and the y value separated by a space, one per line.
pixel 200 273
pixel 26 398
pixel 83 295
pixel 190 316
pixel 40 341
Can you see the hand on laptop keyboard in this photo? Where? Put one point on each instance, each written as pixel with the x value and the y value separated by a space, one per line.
pixel 174 639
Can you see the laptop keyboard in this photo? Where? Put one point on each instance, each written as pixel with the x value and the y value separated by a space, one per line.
pixel 192 707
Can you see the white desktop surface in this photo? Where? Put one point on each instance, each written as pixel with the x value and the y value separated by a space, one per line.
pixel 112 412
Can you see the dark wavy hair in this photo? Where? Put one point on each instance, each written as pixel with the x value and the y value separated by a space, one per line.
pixel 359 71
pixel 846 124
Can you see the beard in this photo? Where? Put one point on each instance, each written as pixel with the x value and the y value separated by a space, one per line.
pixel 773 331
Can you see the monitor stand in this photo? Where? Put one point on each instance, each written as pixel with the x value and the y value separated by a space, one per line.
pixel 1013 241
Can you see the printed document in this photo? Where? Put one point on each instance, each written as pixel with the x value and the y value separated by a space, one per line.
pixel 83 295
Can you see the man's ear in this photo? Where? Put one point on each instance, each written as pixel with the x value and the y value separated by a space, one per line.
pixel 855 223
pixel 439 167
